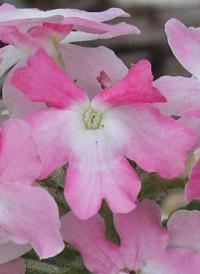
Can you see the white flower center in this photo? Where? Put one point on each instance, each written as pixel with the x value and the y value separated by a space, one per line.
pixel 92 119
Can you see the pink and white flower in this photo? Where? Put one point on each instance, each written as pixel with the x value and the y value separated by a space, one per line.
pixel 143 243
pixel 27 30
pixel 26 212
pixel 94 136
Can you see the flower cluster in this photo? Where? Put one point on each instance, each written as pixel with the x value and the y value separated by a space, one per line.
pixel 81 108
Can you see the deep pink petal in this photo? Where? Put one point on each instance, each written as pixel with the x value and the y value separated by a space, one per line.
pixel 100 255
pixel 39 222
pixel 185 44
pixel 16 101
pixel 154 141
pixel 16 266
pixel 141 234
pixel 53 86
pixel 184 230
pixel 83 63
pixel 136 86
pixel 173 261
pixel 181 93
pixel 20 160
pixel 192 189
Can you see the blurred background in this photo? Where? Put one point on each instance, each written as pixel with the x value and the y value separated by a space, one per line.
pixel 149 16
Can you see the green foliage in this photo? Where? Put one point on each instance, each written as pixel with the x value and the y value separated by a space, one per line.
pixel 69 261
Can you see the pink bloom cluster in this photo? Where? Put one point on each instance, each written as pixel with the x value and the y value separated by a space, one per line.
pixel 83 107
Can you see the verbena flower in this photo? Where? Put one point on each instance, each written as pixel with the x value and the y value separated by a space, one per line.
pixel 95 136
pixel 27 212
pixel 27 30
pixel 142 249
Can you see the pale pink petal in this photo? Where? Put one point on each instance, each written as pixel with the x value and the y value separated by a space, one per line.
pixel 155 142
pixel 10 56
pixel 141 234
pixel 90 26
pixel 39 222
pixel 77 36
pixel 88 236
pixel 9 13
pixel 136 86
pixel 192 188
pixel 16 266
pixel 83 63
pixel 184 230
pixel 185 44
pixel 193 123
pixel 87 186
pixel 10 251
pixel 53 86
pixel 15 100
pixel 173 261
pixel 20 160
pixel 51 129
pixel 121 186
pixel 181 93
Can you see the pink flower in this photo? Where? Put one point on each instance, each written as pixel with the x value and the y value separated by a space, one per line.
pixel 27 30
pixel 27 212
pixel 94 136
pixel 181 92
pixel 142 249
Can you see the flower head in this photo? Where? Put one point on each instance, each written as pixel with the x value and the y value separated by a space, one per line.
pixel 94 136
pixel 26 211
pixel 142 249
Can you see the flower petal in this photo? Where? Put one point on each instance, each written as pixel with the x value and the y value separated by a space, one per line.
pixel 181 93
pixel 185 44
pixel 10 251
pixel 27 213
pixel 83 63
pixel 88 236
pixel 20 161
pixel 87 186
pixel 10 56
pixel 16 101
pixel 184 230
pixel 192 188
pixel 149 138
pixel 136 86
pixel 53 86
pixel 141 234
pixel 173 261
pixel 16 266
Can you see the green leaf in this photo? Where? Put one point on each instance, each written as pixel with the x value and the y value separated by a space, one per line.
pixel 68 261
pixel 111 233
pixel 155 187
